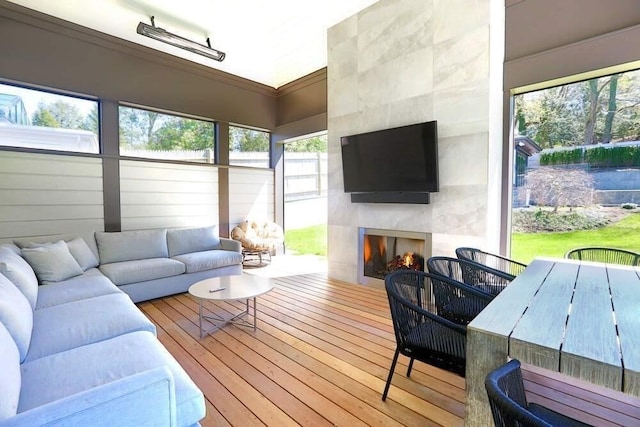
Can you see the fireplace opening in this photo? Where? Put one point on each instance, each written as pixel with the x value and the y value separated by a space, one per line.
pixel 385 254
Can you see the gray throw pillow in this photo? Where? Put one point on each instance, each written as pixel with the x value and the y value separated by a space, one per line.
pixel 82 253
pixel 78 248
pixel 53 262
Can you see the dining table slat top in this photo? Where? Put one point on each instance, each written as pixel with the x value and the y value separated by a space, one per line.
pixel 579 318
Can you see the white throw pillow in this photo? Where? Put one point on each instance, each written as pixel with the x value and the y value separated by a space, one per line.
pixel 82 253
pixel 52 262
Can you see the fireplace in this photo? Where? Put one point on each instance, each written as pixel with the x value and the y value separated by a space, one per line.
pixel 383 251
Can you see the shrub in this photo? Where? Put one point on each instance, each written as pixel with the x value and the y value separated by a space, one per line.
pixel 542 220
pixel 598 157
pixel 558 187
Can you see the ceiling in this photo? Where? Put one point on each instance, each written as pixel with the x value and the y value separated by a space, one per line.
pixel 270 42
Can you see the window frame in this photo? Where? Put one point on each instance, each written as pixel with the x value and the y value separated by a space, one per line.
pixel 64 94
pixel 215 135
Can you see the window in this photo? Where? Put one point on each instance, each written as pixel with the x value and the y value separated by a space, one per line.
pixel 248 147
pixel 37 119
pixel 149 134
pixel 577 167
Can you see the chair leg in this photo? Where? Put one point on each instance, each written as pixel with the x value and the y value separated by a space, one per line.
pixel 393 367
pixel 410 367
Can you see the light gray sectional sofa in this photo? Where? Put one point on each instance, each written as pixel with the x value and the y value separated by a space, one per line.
pixel 74 348
pixel 154 263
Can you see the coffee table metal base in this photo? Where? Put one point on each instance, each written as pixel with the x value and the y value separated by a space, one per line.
pixel 219 321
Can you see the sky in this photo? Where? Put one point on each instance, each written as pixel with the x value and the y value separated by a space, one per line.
pixel 31 98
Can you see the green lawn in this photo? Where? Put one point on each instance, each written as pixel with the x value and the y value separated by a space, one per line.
pixel 310 240
pixel 624 234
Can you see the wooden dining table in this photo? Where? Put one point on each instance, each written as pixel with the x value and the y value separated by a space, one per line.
pixel 578 318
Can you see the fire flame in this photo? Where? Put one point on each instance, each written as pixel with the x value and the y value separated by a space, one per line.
pixel 367 250
pixel 407 259
pixel 370 241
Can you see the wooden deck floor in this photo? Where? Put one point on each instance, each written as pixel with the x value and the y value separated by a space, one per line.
pixel 319 357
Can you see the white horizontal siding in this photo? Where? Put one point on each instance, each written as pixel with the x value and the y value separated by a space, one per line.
pixel 154 195
pixel 46 194
pixel 251 195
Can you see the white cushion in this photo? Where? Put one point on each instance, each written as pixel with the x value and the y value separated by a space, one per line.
pixel 52 262
pixel 82 253
pixel 20 273
pixel 16 315
pixel 10 374
pixel 78 248
pixel 131 245
pixel 123 273
pixel 208 260
pixel 187 240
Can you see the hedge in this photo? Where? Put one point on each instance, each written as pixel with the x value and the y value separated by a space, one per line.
pixel 599 157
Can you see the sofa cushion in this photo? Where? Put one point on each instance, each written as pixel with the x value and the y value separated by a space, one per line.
pixel 87 236
pixel 131 245
pixel 207 260
pixel 123 273
pixel 12 247
pixel 66 326
pixel 16 315
pixel 186 240
pixel 52 262
pixel 77 246
pixel 10 374
pixel 63 374
pixel 82 253
pixel 92 283
pixel 18 271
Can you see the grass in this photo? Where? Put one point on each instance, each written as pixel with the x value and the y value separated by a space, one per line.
pixel 624 234
pixel 310 240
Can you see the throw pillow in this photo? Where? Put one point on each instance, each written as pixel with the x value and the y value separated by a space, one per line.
pixel 19 273
pixel 52 262
pixel 78 248
pixel 82 253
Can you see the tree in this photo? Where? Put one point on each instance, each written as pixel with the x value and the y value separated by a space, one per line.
pixel 91 120
pixel 611 111
pixel 243 139
pixel 183 134
pixel 137 127
pixel 605 109
pixel 316 144
pixel 559 187
pixel 57 114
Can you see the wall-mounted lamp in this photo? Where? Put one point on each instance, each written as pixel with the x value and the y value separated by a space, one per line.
pixel 177 41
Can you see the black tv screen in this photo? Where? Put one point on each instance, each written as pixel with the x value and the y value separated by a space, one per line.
pixel 402 159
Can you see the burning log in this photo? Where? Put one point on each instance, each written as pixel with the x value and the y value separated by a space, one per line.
pixel 408 261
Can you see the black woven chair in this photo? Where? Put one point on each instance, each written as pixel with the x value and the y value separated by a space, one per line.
pixel 478 276
pixel 421 334
pixel 457 301
pixel 509 406
pixel 609 255
pixel 497 262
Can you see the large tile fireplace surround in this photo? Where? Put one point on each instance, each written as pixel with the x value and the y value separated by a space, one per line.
pixel 382 251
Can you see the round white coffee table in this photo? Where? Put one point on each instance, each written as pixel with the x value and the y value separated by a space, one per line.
pixel 229 288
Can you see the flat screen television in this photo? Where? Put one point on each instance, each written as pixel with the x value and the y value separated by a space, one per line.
pixel 397 160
